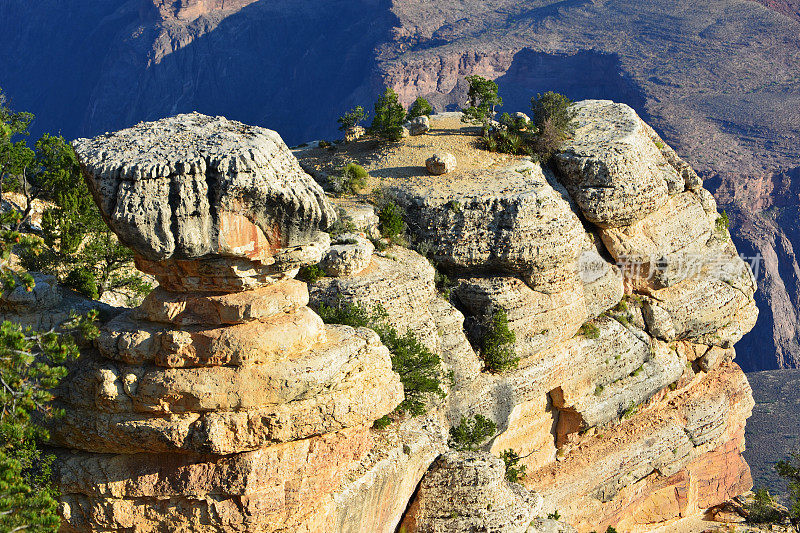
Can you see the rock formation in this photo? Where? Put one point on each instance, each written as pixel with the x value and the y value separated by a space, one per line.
pixel 626 296
pixel 222 402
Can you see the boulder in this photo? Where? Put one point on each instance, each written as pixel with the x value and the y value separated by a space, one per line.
pixel 516 220
pixel 467 491
pixel 357 217
pixel 419 125
pixel 441 163
pixel 670 244
pixel 355 133
pixel 348 255
pixel 519 115
pixel 612 167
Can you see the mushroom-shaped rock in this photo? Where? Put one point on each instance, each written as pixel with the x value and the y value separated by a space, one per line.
pixel 206 203
pixel 441 163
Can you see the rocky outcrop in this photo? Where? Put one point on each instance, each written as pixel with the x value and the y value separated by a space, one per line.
pixel 625 402
pixel 222 402
pixel 467 491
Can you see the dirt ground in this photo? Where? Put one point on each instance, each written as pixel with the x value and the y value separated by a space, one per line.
pixel 403 162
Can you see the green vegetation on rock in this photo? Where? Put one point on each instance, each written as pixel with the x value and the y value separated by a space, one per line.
pixel 515 472
pixel 790 471
pixel 389 117
pixel 353 178
pixel 418 367
pixel 483 98
pixel 497 345
pixel 390 220
pixel 77 246
pixel 420 107
pixel 352 118
pixel 471 433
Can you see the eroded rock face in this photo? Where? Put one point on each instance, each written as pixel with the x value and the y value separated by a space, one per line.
pixel 611 166
pixel 222 403
pixel 467 491
pixel 625 295
pixel 192 192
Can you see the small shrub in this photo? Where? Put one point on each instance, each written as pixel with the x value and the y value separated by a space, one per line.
pixel 515 472
pixel 554 108
pixel 763 509
pixel 418 367
pixel 354 178
pixel 352 118
pixel 723 222
pixel 325 144
pixel 790 471
pixel 344 224
pixel 555 515
pixel 311 274
pixel 598 390
pixel 622 319
pixel 83 280
pixel 660 145
pixel 629 412
pixel 389 117
pixel 420 107
pixel 518 124
pixel 589 330
pixel 443 284
pixel 552 117
pixel 498 344
pixel 382 423
pixel 470 434
pixel 610 529
pixel 621 307
pixel 390 220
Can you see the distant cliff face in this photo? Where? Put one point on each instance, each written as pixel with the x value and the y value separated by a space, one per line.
pixel 717 80
pixel 790 8
pixel 93 68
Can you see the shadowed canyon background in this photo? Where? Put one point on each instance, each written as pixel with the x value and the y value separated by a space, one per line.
pixel 719 80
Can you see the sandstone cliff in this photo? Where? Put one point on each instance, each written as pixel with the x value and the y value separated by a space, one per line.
pixel 223 403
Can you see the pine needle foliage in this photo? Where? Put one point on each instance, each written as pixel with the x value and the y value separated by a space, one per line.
pixel 471 433
pixel 497 345
pixel 418 367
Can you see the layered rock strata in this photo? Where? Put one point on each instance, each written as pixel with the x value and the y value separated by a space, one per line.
pixel 626 295
pixel 222 403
